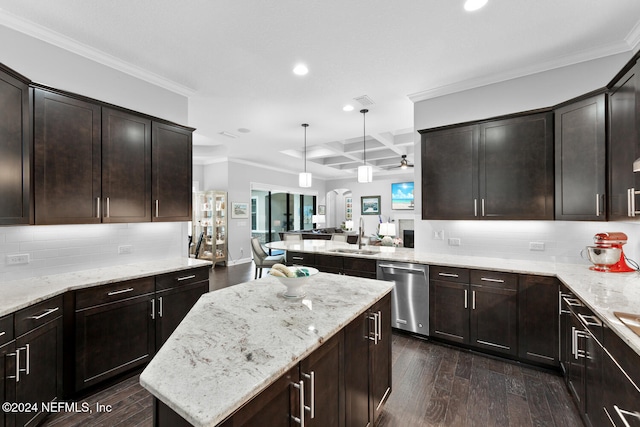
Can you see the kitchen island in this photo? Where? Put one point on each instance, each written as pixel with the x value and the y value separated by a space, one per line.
pixel 238 341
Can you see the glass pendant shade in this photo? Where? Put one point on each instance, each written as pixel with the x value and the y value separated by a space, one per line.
pixel 365 173
pixel 304 179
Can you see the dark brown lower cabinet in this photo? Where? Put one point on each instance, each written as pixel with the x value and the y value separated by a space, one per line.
pixel 172 305
pixel 356 350
pixel 350 266
pixel 448 312
pixel 380 355
pixel 7 385
pixel 538 319
pixel 493 319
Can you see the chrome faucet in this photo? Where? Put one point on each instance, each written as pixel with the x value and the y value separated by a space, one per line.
pixel 360 232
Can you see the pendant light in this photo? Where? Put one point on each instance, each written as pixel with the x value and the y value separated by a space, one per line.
pixel 365 172
pixel 304 178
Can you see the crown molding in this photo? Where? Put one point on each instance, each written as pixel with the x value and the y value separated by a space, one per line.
pixel 41 33
pixel 584 56
pixel 633 38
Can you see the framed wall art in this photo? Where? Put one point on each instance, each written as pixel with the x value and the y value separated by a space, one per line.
pixel 239 210
pixel 370 205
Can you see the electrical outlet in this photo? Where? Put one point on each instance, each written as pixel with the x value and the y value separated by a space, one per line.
pixel 438 234
pixel 17 259
pixel 125 249
pixel 454 241
pixel 536 246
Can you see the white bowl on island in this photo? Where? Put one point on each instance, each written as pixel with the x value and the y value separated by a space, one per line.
pixel 296 278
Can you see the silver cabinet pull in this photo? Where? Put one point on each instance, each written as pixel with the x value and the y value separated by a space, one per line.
pixel 2 333
pixel 487 279
pixel 379 325
pixel 466 304
pixel 448 275
pixel 376 336
pixel 121 291
pixel 153 308
pixel 157 207
pixel 45 313
pixel 590 320
pixel 597 204
pixel 475 207
pixel 473 300
pixel 160 306
pixel 186 277
pixel 572 302
pixel 628 202
pixel 108 210
pixel 621 413
pixel 312 399
pixel 27 359
pixel 573 342
pixel 483 207
pixel 297 258
pixel 16 354
pixel 300 387
pixel 97 207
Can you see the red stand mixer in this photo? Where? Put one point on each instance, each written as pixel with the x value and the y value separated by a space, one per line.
pixel 607 254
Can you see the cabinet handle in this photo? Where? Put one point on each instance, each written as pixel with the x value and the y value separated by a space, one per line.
pixel 97 207
pixel 466 304
pixel 2 333
pixel 473 300
pixel 448 275
pixel 634 193
pixel 300 387
pixel 375 338
pixel 153 309
pixel 108 210
pixel 487 279
pixel 157 208
pixel 26 369
pixel 597 204
pixel 46 313
pixel 621 413
pixel 573 342
pixel 628 202
pixel 590 320
pixel 379 325
pixel 121 291
pixel 297 258
pixel 180 279
pixel 312 399
pixel 16 354
pixel 572 302
pixel 160 306
pixel 475 207
pixel 483 207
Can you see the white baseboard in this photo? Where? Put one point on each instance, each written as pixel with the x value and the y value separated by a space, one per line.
pixel 240 261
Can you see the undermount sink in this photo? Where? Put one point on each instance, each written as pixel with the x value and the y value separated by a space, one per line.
pixel 632 321
pixel 354 251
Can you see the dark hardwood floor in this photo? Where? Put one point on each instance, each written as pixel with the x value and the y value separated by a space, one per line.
pixel 433 385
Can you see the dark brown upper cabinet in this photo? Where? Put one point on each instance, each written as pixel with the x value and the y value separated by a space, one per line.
pixel 171 173
pixel 15 149
pixel 580 160
pixel 624 145
pixel 67 163
pixel 497 169
pixel 126 167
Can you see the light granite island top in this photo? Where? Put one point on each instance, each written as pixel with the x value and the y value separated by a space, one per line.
pixel 236 341
pixel 603 293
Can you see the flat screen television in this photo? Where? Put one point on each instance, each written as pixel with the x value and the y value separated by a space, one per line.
pixel 402 195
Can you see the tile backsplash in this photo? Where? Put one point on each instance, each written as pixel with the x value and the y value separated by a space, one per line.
pixel 55 249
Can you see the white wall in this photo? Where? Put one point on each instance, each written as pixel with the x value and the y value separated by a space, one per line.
pixel 510 239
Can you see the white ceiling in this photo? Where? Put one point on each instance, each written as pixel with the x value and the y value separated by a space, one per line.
pixel 234 60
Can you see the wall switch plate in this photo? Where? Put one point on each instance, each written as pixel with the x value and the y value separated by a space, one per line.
pixel 438 234
pixel 454 241
pixel 125 249
pixel 17 259
pixel 536 246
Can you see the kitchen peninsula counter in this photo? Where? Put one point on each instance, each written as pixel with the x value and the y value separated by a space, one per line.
pixel 18 294
pixel 603 293
pixel 236 341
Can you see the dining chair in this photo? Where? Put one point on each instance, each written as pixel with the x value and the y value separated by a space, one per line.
pixel 261 258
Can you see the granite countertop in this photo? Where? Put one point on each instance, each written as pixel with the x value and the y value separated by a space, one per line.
pixel 18 294
pixel 236 341
pixel 603 293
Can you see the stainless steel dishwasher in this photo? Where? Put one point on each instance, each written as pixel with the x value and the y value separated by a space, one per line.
pixel 410 295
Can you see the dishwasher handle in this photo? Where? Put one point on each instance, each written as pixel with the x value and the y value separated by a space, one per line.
pixel 408 269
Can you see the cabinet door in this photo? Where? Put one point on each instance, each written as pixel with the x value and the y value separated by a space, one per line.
pixel 621 382
pixel 449 173
pixel 15 151
pixel 301 258
pixel 575 366
pixel 171 164
pixel 380 359
pixel 623 143
pixel 580 162
pixel 113 338
pixel 8 383
pixel 126 167
pixel 330 263
pixel 448 311
pixel 515 158
pixel 67 160
pixel 356 370
pixel 323 376
pixel 40 355
pixel 538 319
pixel 493 319
pixel 173 305
pixel 360 267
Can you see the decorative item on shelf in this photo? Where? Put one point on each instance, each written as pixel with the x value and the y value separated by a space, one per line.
pixel 365 172
pixel 304 178
pixel 388 231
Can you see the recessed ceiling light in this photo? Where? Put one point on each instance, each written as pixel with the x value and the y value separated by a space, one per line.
pixel 471 5
pixel 347 108
pixel 300 70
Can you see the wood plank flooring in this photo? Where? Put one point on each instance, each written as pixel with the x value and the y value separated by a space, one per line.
pixel 433 385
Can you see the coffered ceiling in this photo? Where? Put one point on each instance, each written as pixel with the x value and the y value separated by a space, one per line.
pixel 234 61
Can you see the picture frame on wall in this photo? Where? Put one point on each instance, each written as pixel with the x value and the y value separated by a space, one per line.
pixel 370 205
pixel 402 196
pixel 322 209
pixel 239 210
pixel 348 205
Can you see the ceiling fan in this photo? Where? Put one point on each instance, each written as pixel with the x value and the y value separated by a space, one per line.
pixel 403 163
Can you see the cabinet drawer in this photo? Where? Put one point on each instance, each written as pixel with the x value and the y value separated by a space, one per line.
pixel 449 274
pixel 30 318
pixel 494 278
pixel 330 261
pixel 360 264
pixel 301 258
pixel 113 292
pixel 6 329
pixel 181 278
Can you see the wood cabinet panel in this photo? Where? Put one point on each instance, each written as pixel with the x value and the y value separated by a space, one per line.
pixel 15 149
pixel 7 383
pixel 113 292
pixel 580 160
pixel 493 319
pixel 538 319
pixel 360 267
pixel 330 263
pixel 173 305
pixel 126 167
pixel 448 312
pixel 380 355
pixel 358 408
pixel 67 164
pixel 171 173
pixel 301 258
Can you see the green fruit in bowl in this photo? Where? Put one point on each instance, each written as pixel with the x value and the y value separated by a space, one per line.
pixel 302 272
